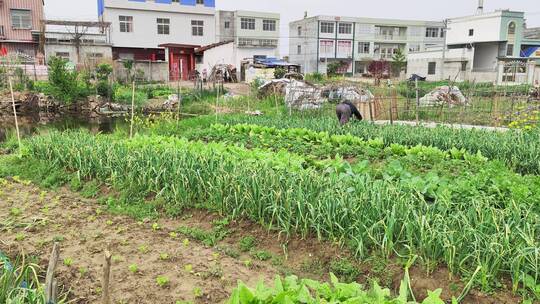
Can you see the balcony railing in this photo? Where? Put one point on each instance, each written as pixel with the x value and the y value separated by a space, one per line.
pixel 390 37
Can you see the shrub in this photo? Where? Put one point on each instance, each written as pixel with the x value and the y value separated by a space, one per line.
pixel 123 95
pixel 279 73
pixel 63 83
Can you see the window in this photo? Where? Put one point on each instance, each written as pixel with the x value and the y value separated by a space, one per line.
pixel 227 24
pixel 327 27
pixel 126 24
pixel 512 28
pixel 414 48
pixel 432 32
pixel 327 48
pixel 443 33
pixel 21 19
pixel 245 42
pixel 299 31
pixel 364 47
pixel 345 28
pixel 432 67
pixel 197 27
pixel 510 50
pixel 63 55
pixel 269 25
pixel 94 55
pixel 299 49
pixel 464 66
pixel 175 1
pixel 344 48
pixel 247 23
pixel 163 26
pixel 200 1
pixel 471 32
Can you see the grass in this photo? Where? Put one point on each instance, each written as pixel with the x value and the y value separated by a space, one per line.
pixel 19 282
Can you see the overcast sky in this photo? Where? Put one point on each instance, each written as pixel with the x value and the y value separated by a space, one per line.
pixel 294 9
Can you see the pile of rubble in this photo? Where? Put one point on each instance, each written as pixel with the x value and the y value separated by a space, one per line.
pixel 340 93
pixel 444 96
pixel 303 95
pixel 27 102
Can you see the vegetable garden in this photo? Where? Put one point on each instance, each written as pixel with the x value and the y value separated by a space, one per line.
pixel 463 200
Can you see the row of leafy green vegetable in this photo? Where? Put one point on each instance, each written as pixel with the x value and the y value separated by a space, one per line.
pixel 486 221
pixel 518 150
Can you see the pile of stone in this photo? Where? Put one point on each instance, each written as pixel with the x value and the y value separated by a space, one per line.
pixel 444 95
pixel 303 96
pixel 339 93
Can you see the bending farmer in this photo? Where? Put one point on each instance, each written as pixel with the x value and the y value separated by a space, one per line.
pixel 345 110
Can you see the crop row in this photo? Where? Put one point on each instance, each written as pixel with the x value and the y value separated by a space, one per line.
pixel 293 290
pixel 519 150
pixel 476 227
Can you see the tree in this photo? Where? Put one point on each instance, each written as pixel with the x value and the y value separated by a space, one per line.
pixel 64 84
pixel 378 69
pixel 128 65
pixel 399 61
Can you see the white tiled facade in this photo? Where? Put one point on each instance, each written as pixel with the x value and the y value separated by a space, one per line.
pixel 316 41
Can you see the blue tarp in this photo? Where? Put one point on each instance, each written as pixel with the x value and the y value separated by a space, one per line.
pixel 273 62
pixel 529 51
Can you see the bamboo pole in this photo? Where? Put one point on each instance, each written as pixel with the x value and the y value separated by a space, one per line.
pixel 217 101
pixel 417 101
pixel 15 114
pixel 50 281
pixel 106 298
pixel 132 110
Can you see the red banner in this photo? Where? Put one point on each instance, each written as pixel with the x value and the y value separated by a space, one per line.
pixel 3 51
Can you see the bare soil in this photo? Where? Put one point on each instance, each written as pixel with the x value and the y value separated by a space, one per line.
pixel 32 219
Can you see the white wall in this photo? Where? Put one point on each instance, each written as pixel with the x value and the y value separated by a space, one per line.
pixel 231 54
pixel 145 34
pixel 486 28
pixel 485 56
pixel 52 49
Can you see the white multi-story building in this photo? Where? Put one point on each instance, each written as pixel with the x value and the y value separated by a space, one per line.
pixel 167 30
pixel 486 47
pixel 316 41
pixel 242 35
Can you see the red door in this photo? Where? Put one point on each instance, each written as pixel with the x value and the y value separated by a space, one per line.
pixel 184 66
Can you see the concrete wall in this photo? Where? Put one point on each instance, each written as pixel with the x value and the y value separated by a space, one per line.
pixel 145 34
pixel 153 71
pixel 233 55
pixel 84 51
pixel 485 57
pixel 486 28
pixel 309 43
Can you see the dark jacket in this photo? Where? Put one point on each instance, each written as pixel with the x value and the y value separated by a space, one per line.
pixel 345 110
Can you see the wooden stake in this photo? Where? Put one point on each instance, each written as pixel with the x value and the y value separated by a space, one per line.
pixel 132 110
pixel 106 298
pixel 50 281
pixel 417 101
pixel 15 114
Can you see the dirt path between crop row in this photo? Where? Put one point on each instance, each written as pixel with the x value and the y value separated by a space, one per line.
pixel 32 219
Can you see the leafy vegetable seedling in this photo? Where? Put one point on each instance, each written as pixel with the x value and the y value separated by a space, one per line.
pixel 162 281
pixel 133 268
pixel 68 262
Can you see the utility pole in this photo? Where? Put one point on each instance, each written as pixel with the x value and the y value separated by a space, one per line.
pixel 445 30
